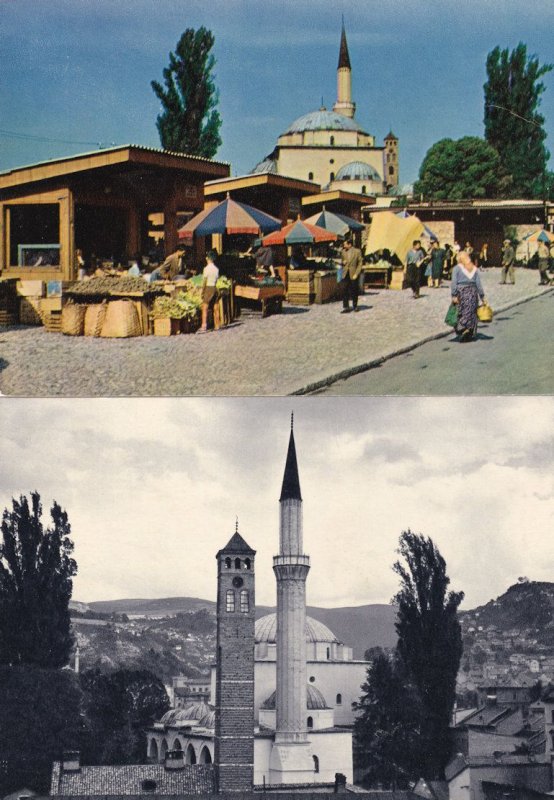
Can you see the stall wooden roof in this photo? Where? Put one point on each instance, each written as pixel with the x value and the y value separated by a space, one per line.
pixel 128 154
pixel 337 194
pixel 256 181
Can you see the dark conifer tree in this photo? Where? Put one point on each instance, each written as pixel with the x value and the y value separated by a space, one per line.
pixel 429 642
pixel 190 122
pixel 513 124
pixel 36 569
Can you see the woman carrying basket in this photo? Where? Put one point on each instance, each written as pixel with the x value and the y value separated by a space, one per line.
pixel 466 289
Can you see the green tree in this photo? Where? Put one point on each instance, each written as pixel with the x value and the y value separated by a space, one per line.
pixel 388 725
pixel 119 706
pixel 36 568
pixel 513 124
pixel 40 717
pixel 429 642
pixel 190 122
pixel 461 169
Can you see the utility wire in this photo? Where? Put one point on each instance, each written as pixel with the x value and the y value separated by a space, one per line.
pixel 31 137
pixel 513 113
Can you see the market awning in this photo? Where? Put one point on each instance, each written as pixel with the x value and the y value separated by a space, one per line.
pixel 299 232
pixel 426 230
pixel 230 217
pixel 390 232
pixel 539 236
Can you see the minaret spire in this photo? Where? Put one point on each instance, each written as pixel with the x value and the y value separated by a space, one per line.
pixel 344 104
pixel 290 489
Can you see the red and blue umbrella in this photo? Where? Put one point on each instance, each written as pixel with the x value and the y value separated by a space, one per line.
pixel 539 236
pixel 299 232
pixel 229 216
pixel 338 223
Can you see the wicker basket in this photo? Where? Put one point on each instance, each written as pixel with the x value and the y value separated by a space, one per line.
pixel 73 319
pixel 121 320
pixel 94 318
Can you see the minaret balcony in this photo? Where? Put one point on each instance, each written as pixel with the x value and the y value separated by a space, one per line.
pixel 291 560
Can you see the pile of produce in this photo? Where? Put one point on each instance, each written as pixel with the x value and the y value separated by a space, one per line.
pixel 107 285
pixel 184 305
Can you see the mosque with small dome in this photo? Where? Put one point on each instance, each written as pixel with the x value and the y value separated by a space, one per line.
pixel 302 688
pixel 330 147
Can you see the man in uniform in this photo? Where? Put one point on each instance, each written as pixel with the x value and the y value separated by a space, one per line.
pixel 352 264
pixel 508 258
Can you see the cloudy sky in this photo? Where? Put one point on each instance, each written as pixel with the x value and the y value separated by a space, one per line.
pixel 78 72
pixel 152 488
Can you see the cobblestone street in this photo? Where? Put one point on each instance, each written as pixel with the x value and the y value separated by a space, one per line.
pixel 301 349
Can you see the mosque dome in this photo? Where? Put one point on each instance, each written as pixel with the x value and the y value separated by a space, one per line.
pixel 266 630
pixel 322 120
pixel 357 171
pixel 208 720
pixel 314 700
pixel 178 716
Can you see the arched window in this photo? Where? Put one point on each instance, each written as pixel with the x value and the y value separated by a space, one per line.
pixel 228 563
pixel 153 751
pixel 177 745
pixel 244 602
pixel 332 176
pixel 310 176
pixel 316 763
pixel 391 170
pixel 205 756
pixel 310 722
pixel 191 755
pixel 247 563
pixel 230 600
pixel 328 653
pixel 364 190
pixel 339 699
pixel 237 563
pixel 332 140
pixel 163 750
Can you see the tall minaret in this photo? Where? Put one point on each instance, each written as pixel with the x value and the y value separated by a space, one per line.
pixel 344 104
pixel 291 760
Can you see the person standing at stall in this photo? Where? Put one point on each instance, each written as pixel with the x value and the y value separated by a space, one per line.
pixel 352 264
pixel 543 254
pixel 438 256
pixel 413 261
pixel 210 274
pixel 508 258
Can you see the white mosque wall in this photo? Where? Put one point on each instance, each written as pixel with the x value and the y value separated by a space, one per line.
pixel 332 751
pixel 321 162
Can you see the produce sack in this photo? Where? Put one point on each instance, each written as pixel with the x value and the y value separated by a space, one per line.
pixel 73 319
pixel 94 318
pixel 121 320
pixel 485 313
pixel 452 315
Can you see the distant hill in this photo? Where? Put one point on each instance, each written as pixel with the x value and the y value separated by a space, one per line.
pixel 360 627
pixel 527 606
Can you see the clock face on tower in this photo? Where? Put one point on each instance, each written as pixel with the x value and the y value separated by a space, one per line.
pixel 237 582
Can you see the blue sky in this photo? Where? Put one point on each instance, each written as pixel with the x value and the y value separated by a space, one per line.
pixel 80 70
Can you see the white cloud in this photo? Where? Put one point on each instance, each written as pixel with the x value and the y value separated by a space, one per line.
pixel 153 487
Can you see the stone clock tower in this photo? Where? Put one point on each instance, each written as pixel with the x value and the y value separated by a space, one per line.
pixel 234 711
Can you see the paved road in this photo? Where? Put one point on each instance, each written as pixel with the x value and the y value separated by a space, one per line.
pixel 513 355
pixel 293 352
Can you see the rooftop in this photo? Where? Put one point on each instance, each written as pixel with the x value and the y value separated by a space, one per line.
pixel 128 779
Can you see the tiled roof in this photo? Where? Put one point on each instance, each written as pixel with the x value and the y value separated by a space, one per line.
pixel 236 544
pixel 128 779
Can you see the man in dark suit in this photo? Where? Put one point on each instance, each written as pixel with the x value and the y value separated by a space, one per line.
pixel 352 264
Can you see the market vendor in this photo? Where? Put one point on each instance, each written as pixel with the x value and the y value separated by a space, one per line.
pixel 264 259
pixel 297 259
pixel 170 267
pixel 210 274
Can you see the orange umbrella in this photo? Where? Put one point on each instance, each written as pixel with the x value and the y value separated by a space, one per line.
pixel 299 232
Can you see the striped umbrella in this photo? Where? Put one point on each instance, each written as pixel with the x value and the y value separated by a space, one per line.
pixel 539 236
pixel 338 223
pixel 229 216
pixel 299 232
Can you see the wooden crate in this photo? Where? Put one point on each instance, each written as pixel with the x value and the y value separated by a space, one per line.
pixel 167 326
pixel 30 288
pixel 7 318
pixel 301 299
pixel 52 320
pixel 325 288
pixel 49 304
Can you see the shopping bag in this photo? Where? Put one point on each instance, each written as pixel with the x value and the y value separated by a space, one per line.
pixel 452 315
pixel 485 313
